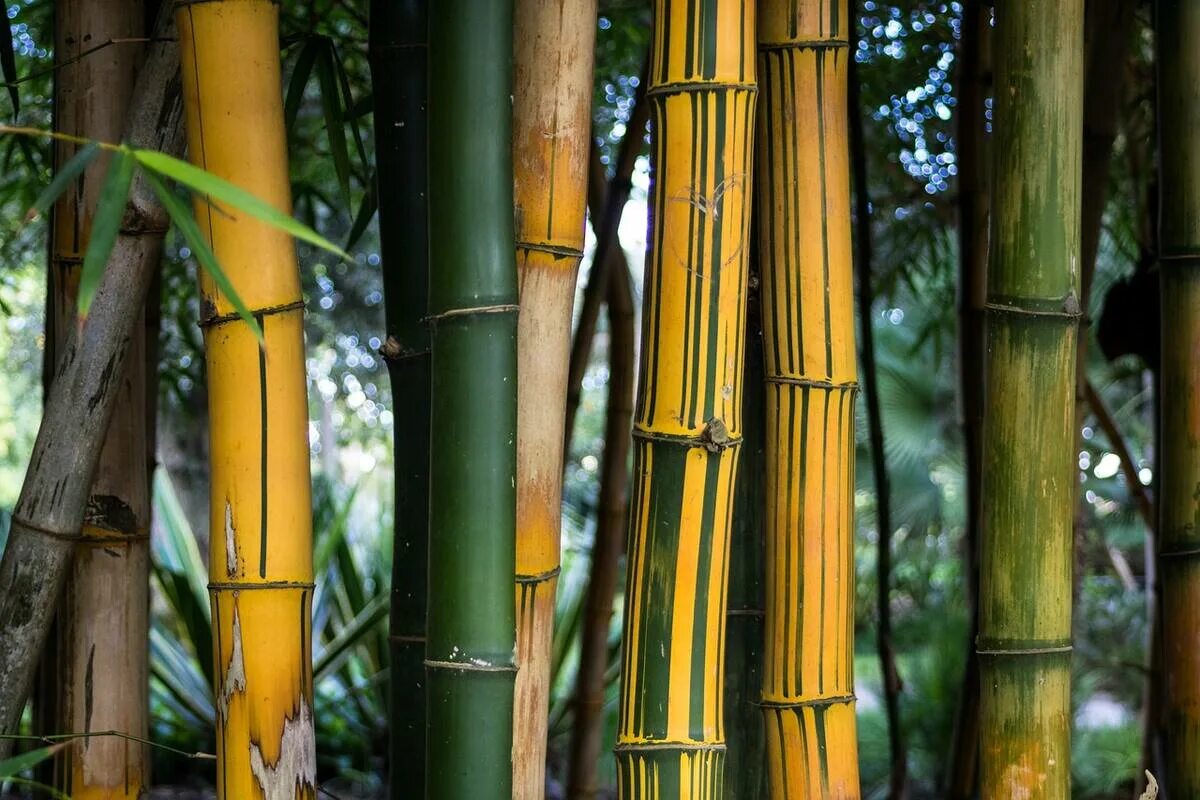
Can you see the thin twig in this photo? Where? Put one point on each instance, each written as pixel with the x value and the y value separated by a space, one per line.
pixel 55 738
pixel 1117 442
pixel 90 51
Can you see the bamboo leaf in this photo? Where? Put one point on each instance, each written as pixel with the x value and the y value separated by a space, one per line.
pixel 12 767
pixel 223 191
pixel 8 63
pixel 332 106
pixel 366 211
pixel 190 231
pixel 370 616
pixel 300 76
pixel 347 104
pixel 62 179
pixel 106 224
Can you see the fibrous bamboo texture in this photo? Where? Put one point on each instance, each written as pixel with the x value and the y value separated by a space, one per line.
pixel 472 473
pixel 102 653
pixel 1178 32
pixel 260 556
pixel 552 92
pixel 1024 643
pixel 399 56
pixel 803 197
pixel 687 427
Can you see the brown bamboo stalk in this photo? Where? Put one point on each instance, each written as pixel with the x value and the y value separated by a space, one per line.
pixel 588 699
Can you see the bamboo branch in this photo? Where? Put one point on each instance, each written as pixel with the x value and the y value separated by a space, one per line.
pixel 1129 469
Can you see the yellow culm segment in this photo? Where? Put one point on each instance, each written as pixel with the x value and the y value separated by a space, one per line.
pixel 803 208
pixel 687 426
pixel 552 91
pixel 260 559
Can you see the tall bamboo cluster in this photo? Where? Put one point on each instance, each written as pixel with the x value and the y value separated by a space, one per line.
pixel 552 92
pixel 687 424
pixel 99 675
pixel 1024 643
pixel 803 219
pixel 260 556
pixel 1178 41
pixel 472 471
pixel 399 57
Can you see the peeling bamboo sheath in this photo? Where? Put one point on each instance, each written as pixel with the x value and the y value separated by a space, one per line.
pixel 803 202
pixel 552 93
pixel 1178 48
pixel 687 426
pixel 102 650
pixel 1024 641
pixel 261 526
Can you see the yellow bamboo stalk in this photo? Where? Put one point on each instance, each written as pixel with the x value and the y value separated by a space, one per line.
pixel 261 525
pixel 803 202
pixel 101 661
pixel 552 91
pixel 687 427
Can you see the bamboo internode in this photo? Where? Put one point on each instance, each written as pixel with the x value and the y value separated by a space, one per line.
pixel 803 202
pixel 687 426
pixel 552 93
pixel 1178 32
pixel 260 556
pixel 1024 642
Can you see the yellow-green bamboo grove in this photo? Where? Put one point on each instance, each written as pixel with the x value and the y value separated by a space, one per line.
pixel 687 426
pixel 260 536
pixel 803 207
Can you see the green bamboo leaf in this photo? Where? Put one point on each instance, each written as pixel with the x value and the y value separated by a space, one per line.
pixel 300 76
pixel 106 224
pixel 190 231
pixel 366 210
pixel 370 616
pixel 12 767
pixel 360 108
pixel 347 104
pixel 332 106
pixel 62 179
pixel 8 63
pixel 222 190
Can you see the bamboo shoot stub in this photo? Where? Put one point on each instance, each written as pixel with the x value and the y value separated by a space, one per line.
pixel 687 427
pixel 260 557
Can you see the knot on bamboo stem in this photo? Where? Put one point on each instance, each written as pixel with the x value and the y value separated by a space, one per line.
pixel 715 436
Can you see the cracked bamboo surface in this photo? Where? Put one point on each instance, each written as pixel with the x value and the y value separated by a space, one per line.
pixel 1024 642
pixel 1178 40
pixel 260 560
pixel 687 426
pixel 552 94
pixel 803 196
pixel 99 669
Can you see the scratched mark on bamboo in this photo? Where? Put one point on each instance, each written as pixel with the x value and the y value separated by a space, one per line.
pixel 296 767
pixel 711 206
pixel 235 673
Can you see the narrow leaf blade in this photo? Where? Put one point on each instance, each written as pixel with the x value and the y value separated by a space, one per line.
pixel 222 190
pixel 106 225
pixel 12 767
pixel 187 227
pixel 332 106
pixel 63 178
pixel 300 76
pixel 8 63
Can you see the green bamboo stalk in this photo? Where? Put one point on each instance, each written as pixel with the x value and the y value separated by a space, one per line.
pixel 1178 37
pixel 745 755
pixel 1024 643
pixel 472 468
pixel 398 49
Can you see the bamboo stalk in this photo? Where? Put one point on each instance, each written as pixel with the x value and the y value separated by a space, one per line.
pixel 102 657
pixel 808 324
pixel 1177 30
pixel 687 426
pixel 612 513
pixel 973 207
pixel 552 93
pixel 49 513
pixel 746 751
pixel 260 532
pixel 1024 642
pixel 399 56
pixel 892 685
pixel 472 472
pixel 607 238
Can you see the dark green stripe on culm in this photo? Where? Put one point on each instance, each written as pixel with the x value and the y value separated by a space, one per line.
pixel 472 308
pixel 398 51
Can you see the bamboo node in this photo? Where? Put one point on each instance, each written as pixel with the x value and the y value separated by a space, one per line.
pixel 21 522
pixel 715 436
pixel 474 665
